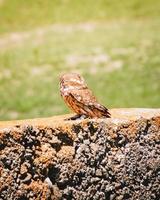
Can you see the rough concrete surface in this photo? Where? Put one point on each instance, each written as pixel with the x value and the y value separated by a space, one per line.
pixel 113 159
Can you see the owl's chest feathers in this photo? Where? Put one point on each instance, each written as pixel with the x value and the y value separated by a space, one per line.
pixel 67 95
pixel 72 103
pixel 68 90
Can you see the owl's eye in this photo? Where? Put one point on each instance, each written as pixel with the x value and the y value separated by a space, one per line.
pixel 79 76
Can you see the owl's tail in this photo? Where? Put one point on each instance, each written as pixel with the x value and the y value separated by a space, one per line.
pixel 105 112
pixel 100 111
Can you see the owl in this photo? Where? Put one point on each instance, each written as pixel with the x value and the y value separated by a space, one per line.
pixel 80 98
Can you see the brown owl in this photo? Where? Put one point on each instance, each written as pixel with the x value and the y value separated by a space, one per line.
pixel 80 98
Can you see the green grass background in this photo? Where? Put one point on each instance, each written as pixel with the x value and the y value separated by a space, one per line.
pixel 114 44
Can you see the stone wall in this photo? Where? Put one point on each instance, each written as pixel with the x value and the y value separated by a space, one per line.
pixel 52 158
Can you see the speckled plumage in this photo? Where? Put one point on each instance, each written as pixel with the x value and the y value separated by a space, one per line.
pixel 79 98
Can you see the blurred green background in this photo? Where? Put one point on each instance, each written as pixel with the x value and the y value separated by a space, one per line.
pixel 114 44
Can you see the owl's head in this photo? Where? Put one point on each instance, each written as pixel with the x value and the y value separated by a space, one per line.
pixel 72 80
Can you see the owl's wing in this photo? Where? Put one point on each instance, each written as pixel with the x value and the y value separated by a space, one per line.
pixel 84 96
pixel 86 99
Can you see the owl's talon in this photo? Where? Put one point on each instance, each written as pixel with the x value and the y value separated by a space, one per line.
pixel 83 117
pixel 76 117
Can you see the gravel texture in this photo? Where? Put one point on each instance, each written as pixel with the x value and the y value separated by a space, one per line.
pixel 85 160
